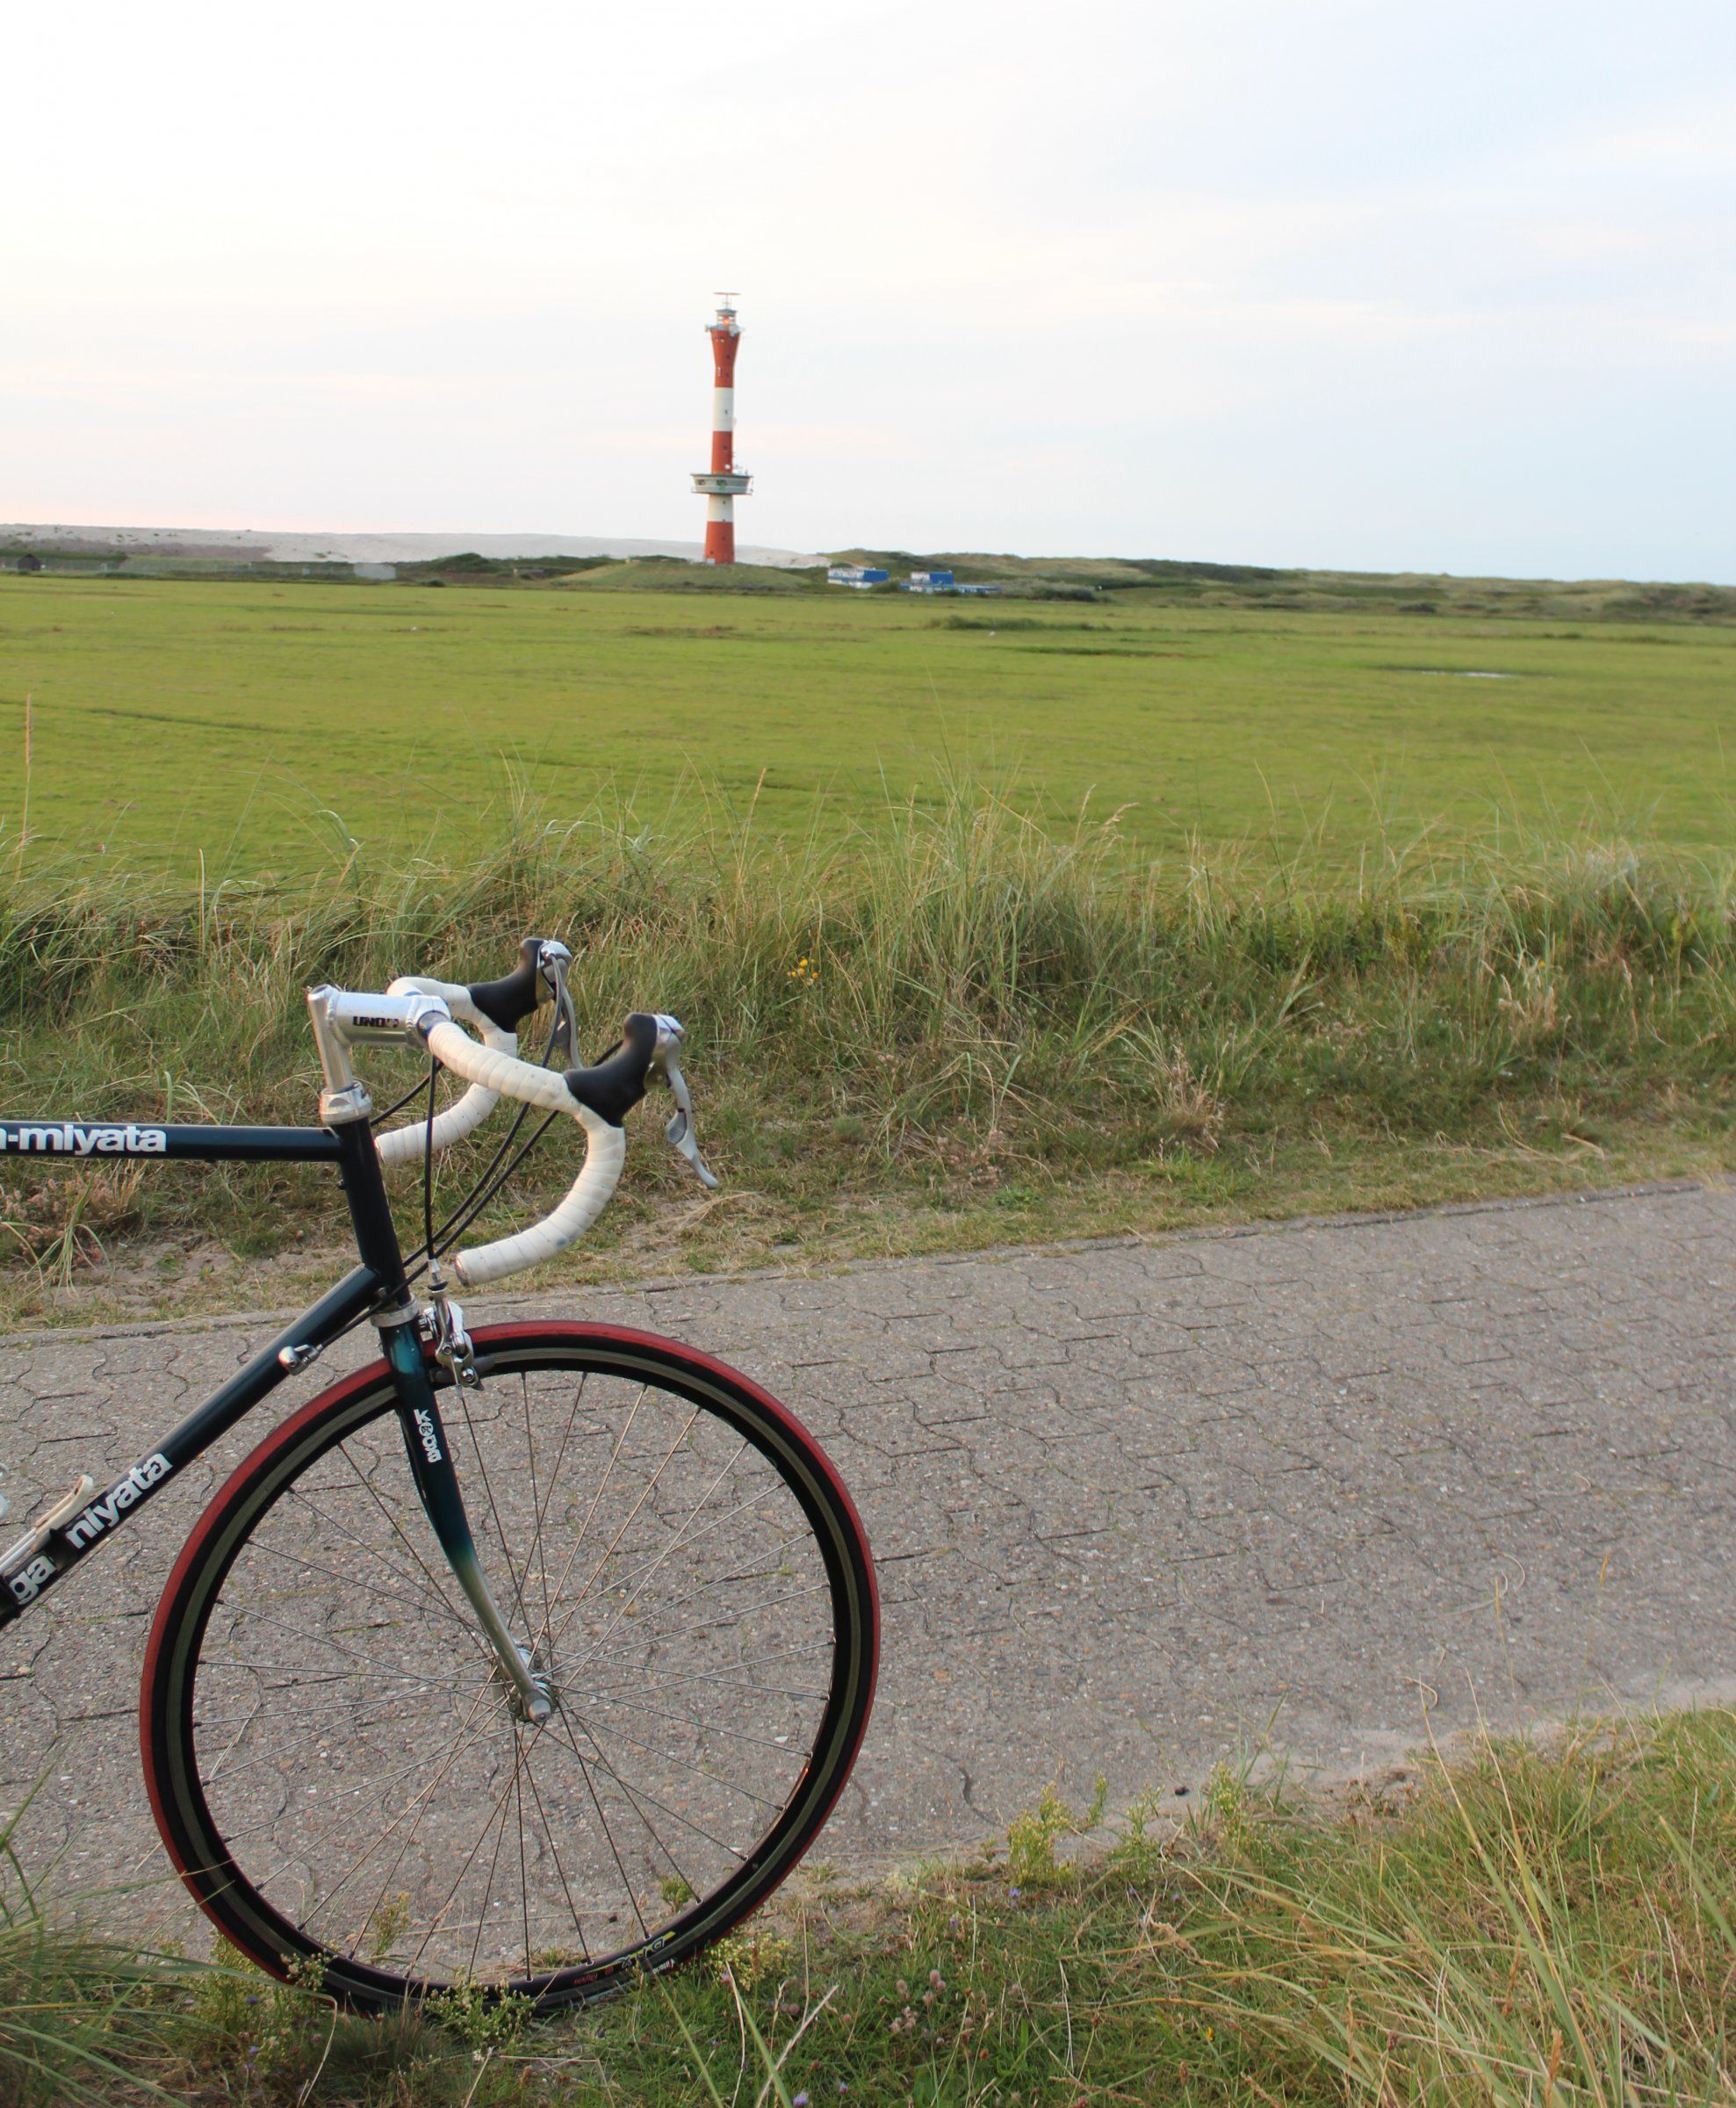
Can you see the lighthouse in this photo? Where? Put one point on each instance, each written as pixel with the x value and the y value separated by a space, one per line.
pixel 722 484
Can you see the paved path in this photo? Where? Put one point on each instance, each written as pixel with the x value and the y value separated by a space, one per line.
pixel 1135 1506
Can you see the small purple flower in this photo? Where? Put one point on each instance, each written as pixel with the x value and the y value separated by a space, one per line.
pixel 801 2101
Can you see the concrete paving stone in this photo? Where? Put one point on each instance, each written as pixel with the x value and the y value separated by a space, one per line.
pixel 1137 1506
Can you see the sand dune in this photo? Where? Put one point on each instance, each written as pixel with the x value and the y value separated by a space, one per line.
pixel 271 545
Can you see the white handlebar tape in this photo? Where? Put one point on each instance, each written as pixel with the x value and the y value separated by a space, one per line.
pixel 405 1144
pixel 590 1193
pixel 606 1151
pixel 504 1074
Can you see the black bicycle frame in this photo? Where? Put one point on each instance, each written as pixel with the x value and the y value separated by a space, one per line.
pixel 67 1532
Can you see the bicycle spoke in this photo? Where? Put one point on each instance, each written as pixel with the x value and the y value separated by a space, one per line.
pixel 523 1872
pixel 405 1676
pixel 789 1654
pixel 602 1488
pixel 686 1821
pixel 667 1633
pixel 421 1802
pixel 674 1545
pixel 716 1523
pixel 311 1565
pixel 535 1504
pixel 494 1510
pixel 470 1857
pixel 608 1835
pixel 760 1742
pixel 397 1530
pixel 495 1862
pixel 554 1853
pixel 681 1762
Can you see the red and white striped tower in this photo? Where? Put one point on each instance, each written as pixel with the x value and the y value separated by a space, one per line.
pixel 722 484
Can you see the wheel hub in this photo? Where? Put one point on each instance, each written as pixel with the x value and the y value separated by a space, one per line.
pixel 517 1703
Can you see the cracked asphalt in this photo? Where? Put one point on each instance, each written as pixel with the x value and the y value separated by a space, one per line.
pixel 1137 1507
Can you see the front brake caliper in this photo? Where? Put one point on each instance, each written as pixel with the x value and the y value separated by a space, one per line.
pixel 442 1324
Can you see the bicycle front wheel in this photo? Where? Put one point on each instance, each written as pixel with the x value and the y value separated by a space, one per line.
pixel 339 1769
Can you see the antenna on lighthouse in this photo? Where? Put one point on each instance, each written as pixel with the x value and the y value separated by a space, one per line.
pixel 722 483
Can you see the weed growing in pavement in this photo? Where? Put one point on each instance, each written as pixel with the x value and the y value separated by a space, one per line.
pixel 1032 1834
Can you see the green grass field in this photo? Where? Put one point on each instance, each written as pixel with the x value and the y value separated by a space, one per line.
pixel 1371 931
pixel 259 724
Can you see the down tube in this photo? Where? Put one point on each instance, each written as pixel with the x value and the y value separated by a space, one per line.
pixel 40 1559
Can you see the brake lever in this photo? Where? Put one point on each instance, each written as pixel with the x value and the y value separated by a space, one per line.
pixel 552 962
pixel 680 1129
pixel 666 1063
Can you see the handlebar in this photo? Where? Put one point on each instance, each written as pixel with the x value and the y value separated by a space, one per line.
pixel 418 1011
pixel 496 1010
pixel 506 1076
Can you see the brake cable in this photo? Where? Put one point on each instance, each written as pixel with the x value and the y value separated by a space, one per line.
pixel 398 1105
pixel 493 1178
pixel 452 1230
pixel 428 1158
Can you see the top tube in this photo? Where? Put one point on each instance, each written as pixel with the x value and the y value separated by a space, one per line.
pixel 82 1139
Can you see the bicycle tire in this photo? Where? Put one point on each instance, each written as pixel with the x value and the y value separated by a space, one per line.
pixel 387 1706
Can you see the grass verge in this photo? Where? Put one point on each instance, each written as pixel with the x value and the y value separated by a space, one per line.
pixel 1523 1924
pixel 958 1029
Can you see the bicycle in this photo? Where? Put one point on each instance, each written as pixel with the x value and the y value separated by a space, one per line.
pixel 532 1657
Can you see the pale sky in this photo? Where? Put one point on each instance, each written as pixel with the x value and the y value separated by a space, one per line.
pixel 1277 281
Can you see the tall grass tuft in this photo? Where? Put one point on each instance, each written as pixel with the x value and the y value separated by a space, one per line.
pixel 1540 1926
pixel 959 995
pixel 1525 1925
pixel 79 2017
pixel 1519 1925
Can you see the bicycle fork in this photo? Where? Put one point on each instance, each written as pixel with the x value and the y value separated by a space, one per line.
pixel 345 1107
pixel 436 1485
